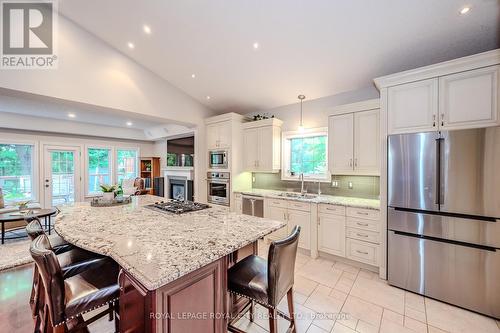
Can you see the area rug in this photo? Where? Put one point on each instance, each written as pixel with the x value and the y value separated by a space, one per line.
pixel 14 254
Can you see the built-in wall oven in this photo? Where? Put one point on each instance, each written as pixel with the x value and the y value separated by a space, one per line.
pixel 217 159
pixel 218 187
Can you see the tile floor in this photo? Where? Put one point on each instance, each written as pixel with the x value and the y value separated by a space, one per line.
pixel 364 303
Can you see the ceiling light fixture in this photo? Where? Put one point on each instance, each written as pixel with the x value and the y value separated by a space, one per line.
pixel 131 45
pixel 301 126
pixel 465 10
pixel 255 45
pixel 71 115
pixel 147 29
pixel 129 123
pixel 208 97
pixel 193 75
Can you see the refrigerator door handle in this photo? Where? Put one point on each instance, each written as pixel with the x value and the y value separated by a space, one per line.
pixel 438 171
pixel 441 171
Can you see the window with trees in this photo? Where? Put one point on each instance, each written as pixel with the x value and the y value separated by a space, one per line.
pixel 305 153
pixel 99 168
pixel 16 172
pixel 126 164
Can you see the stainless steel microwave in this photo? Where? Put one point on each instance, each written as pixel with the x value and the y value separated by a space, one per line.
pixel 217 159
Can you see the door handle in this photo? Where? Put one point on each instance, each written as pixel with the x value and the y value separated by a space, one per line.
pixel 442 119
pixel 350 162
pixel 433 120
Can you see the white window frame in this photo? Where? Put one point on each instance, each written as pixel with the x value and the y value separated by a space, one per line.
pixel 137 162
pixel 86 166
pixel 285 156
pixel 35 166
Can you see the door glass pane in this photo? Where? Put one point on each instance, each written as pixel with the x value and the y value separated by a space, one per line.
pixel 63 177
pixel 16 172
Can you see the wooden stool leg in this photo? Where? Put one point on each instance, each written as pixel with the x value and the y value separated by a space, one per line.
pixel 291 310
pixel 252 309
pixel 273 321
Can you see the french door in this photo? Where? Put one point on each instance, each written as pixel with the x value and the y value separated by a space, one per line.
pixel 61 181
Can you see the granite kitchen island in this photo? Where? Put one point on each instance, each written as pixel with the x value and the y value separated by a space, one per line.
pixel 173 267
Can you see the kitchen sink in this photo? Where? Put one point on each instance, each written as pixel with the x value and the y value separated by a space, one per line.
pixel 297 195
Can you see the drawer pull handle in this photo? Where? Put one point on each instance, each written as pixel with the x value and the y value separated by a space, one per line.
pixel 362 224
pixel 361 252
pixel 361 235
pixel 362 213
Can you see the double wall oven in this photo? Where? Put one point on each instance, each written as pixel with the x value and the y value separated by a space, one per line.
pixel 219 189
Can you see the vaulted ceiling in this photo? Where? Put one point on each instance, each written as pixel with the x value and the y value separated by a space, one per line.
pixel 314 47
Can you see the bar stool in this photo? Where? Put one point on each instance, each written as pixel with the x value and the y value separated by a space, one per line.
pixel 267 281
pixel 72 261
pixel 67 299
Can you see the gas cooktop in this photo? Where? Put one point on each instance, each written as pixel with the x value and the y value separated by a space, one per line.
pixel 178 207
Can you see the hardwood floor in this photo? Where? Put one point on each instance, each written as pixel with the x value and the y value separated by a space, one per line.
pixel 15 312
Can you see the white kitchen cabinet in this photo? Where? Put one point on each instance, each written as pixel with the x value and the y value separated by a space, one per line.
pixel 366 139
pixel 262 144
pixel 354 143
pixel 302 219
pixel 413 107
pixel 469 99
pixel 251 153
pixel 238 203
pixel 341 143
pixel 292 213
pixel 331 234
pixel 278 214
pixel 219 135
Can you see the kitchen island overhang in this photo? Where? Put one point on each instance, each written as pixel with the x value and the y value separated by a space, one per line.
pixel 173 276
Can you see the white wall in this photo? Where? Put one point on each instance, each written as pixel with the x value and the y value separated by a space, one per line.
pixel 92 72
pixel 316 112
pixel 40 139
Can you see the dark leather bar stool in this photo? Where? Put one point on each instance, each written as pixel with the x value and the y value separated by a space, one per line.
pixel 267 281
pixel 67 299
pixel 72 261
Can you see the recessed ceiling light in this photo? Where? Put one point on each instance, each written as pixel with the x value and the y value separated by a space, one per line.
pixel 465 10
pixel 71 115
pixel 130 45
pixel 129 123
pixel 256 45
pixel 193 75
pixel 208 97
pixel 147 29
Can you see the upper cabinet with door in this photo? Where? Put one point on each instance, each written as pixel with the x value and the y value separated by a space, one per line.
pixel 262 145
pixel 456 94
pixel 219 135
pixel 353 134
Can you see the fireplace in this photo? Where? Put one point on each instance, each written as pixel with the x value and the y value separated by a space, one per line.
pixel 180 188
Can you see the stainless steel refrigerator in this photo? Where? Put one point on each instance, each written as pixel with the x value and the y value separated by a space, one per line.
pixel 444 216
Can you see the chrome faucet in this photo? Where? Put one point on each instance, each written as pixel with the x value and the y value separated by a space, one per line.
pixel 302 190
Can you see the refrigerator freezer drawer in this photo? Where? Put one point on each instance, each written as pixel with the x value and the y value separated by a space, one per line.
pixel 464 276
pixel 480 232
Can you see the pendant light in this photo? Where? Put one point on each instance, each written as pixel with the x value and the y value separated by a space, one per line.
pixel 301 126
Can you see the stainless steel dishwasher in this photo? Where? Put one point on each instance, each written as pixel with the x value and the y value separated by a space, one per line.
pixel 253 205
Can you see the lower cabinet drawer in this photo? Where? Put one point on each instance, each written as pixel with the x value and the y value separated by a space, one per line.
pixel 362 251
pixel 370 225
pixel 368 236
pixel 277 203
pixel 304 206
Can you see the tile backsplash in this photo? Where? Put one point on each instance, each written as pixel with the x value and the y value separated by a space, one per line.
pixel 367 187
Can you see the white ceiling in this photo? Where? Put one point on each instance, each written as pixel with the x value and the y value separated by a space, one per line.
pixel 315 47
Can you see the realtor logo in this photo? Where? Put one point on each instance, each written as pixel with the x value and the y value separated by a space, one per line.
pixel 28 34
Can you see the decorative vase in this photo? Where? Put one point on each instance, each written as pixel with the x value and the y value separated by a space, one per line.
pixel 108 196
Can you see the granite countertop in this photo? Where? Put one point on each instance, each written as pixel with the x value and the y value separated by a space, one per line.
pixel 156 247
pixel 313 198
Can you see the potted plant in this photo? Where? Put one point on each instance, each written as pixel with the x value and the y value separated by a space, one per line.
pixel 108 191
pixel 23 205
